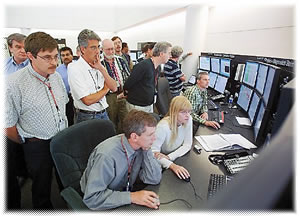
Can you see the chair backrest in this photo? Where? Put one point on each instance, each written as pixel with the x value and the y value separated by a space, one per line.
pixel 71 148
pixel 163 96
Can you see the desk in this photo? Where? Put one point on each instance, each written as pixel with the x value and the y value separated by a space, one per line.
pixel 199 167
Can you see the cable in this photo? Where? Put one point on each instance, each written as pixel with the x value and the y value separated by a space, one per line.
pixel 184 201
pixel 196 195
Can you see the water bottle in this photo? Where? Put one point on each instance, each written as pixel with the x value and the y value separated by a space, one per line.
pixel 230 101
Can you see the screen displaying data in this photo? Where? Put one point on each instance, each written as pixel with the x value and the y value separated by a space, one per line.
pixel 258 120
pixel 250 73
pixel 215 65
pixel 244 97
pixel 225 67
pixel 205 63
pixel 261 78
pixel 253 106
pixel 221 84
pixel 269 84
pixel 212 79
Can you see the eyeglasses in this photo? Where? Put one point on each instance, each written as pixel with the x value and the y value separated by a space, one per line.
pixel 49 59
pixel 95 47
pixel 185 112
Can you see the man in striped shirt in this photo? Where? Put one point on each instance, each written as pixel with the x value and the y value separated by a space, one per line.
pixel 197 95
pixel 173 73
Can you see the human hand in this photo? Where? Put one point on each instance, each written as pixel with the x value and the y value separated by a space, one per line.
pixel 159 156
pixel 189 53
pixel 96 64
pixel 213 124
pixel 145 198
pixel 180 171
pixel 204 116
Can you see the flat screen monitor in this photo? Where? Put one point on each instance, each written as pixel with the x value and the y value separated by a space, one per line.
pixel 221 84
pixel 212 79
pixel 261 124
pixel 244 97
pixel 225 67
pixel 205 63
pixel 253 107
pixel 269 84
pixel 250 73
pixel 132 56
pixel 261 78
pixel 215 65
pixel 192 79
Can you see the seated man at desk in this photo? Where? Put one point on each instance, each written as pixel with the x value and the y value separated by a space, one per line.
pixel 114 165
pixel 197 95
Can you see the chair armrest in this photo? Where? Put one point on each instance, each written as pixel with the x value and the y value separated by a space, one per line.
pixel 73 199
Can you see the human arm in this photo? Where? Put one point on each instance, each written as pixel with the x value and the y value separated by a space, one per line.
pixel 204 116
pixel 184 57
pixel 12 134
pixel 109 81
pixel 150 172
pixel 145 198
pixel 95 97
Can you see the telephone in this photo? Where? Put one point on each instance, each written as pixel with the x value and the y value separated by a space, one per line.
pixel 219 158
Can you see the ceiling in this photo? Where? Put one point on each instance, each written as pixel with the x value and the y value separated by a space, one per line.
pixel 104 17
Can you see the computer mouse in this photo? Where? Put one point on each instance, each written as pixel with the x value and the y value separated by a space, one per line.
pixel 187 179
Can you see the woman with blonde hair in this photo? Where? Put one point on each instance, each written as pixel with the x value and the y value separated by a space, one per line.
pixel 174 136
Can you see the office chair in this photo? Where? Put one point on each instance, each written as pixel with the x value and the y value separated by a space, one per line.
pixel 70 150
pixel 163 96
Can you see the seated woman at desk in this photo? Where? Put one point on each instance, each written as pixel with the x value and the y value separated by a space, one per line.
pixel 174 136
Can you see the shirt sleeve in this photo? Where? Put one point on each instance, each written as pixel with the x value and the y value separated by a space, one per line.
pixel 135 76
pixel 97 195
pixel 151 169
pixel 12 106
pixel 189 94
pixel 187 142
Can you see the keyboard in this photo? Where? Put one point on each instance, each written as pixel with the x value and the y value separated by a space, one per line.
pixel 216 97
pixel 235 165
pixel 216 183
pixel 218 116
pixel 211 105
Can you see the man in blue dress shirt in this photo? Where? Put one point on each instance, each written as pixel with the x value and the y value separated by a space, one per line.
pixel 18 60
pixel 66 56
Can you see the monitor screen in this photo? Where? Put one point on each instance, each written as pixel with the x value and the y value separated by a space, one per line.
pixel 269 84
pixel 258 121
pixel 250 73
pixel 205 63
pixel 261 78
pixel 244 97
pixel 253 106
pixel 132 56
pixel 215 65
pixel 225 67
pixel 212 79
pixel 221 84
pixel 192 79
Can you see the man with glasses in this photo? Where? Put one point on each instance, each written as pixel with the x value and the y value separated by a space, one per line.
pixel 118 70
pixel 35 111
pixel 89 80
pixel 66 56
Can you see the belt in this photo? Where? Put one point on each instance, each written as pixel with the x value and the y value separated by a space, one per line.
pixel 92 112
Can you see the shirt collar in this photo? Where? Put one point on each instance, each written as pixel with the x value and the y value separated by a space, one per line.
pixel 22 63
pixel 84 63
pixel 129 149
pixel 34 73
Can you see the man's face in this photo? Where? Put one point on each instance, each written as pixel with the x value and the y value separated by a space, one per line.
pixel 118 45
pixel 108 50
pixel 66 57
pixel 149 53
pixel 91 52
pixel 146 139
pixel 166 56
pixel 203 82
pixel 45 62
pixel 18 51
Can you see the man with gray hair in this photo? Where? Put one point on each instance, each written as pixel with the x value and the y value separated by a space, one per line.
pixel 140 87
pixel 19 59
pixel 173 73
pixel 89 80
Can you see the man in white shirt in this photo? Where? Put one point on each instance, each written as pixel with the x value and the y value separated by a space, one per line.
pixel 89 80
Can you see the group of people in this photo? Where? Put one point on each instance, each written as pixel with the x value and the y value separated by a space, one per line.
pixel 41 102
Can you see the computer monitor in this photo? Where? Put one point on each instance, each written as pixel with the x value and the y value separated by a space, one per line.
pixel 215 65
pixel 221 84
pixel 225 67
pixel 212 79
pixel 192 79
pixel 204 63
pixel 261 78
pixel 271 86
pixel 250 73
pixel 133 56
pixel 244 97
pixel 261 123
pixel 253 106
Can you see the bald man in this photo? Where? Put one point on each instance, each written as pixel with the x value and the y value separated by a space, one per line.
pixel 118 70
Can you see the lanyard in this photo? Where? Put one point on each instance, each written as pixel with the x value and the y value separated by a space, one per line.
pixel 96 85
pixel 50 89
pixel 129 164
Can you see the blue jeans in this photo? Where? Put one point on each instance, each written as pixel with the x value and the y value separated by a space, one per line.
pixel 80 116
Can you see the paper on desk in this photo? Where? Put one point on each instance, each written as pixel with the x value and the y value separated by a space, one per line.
pixel 243 121
pixel 238 139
